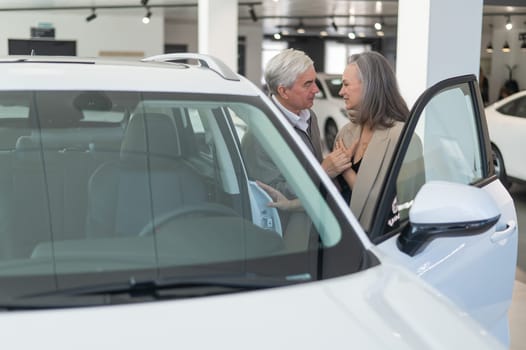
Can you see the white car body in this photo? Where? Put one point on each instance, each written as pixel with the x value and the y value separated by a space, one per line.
pixel 449 287
pixel 384 307
pixel 507 127
pixel 329 107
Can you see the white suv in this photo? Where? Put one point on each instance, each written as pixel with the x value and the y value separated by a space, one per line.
pixel 124 184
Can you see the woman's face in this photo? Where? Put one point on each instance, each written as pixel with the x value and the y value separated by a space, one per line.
pixel 351 90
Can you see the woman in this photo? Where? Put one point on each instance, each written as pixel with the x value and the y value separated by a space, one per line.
pixel 377 114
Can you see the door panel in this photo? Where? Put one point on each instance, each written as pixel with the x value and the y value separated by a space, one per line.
pixel 476 271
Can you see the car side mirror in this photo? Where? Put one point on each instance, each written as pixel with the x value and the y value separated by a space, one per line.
pixel 444 208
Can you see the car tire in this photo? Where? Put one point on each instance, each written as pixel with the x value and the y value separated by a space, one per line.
pixel 498 165
pixel 330 132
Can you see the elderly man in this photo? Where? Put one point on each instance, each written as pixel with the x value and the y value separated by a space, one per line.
pixel 291 80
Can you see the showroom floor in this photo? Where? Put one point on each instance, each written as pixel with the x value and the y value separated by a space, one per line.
pixel 517 317
pixel 517 313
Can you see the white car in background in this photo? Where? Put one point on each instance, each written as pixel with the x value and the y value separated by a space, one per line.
pixel 329 107
pixel 507 130
pixel 130 219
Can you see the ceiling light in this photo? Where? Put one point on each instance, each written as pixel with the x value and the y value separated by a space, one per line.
pixel 506 47
pixel 146 18
pixel 509 25
pixel 378 25
pixel 489 48
pixel 277 36
pixel 323 33
pixel 380 33
pixel 92 16
pixel 253 14
pixel 351 35
pixel 300 28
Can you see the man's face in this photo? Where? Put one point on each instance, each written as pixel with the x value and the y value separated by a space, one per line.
pixel 301 94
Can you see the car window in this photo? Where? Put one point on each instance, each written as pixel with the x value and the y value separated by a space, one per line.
pixel 166 192
pixel 515 108
pixel 334 84
pixel 439 148
pixel 321 93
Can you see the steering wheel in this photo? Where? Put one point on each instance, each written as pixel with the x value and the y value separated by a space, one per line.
pixel 212 209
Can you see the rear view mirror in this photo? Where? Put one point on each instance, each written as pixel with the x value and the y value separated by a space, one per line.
pixel 444 208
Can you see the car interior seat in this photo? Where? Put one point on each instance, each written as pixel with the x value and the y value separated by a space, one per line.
pixel 149 179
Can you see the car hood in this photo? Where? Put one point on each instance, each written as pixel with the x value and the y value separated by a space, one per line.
pixel 381 308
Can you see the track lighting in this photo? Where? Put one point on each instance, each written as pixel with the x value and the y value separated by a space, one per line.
pixel 506 47
pixel 92 16
pixel 334 26
pixel 146 18
pixel 509 25
pixel 300 28
pixel 253 14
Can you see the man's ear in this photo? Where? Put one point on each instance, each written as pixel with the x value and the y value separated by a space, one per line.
pixel 282 91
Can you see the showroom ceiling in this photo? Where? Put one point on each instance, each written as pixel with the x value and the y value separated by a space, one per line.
pixel 333 16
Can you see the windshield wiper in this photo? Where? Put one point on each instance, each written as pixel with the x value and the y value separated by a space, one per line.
pixel 171 288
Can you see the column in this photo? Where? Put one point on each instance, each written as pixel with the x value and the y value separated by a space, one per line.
pixel 437 39
pixel 218 30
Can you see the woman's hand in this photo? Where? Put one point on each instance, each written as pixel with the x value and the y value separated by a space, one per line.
pixel 349 175
pixel 279 199
pixel 336 162
pixel 348 151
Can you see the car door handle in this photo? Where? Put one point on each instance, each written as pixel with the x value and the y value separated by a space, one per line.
pixel 500 235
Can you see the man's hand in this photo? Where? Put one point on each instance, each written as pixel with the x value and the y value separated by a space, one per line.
pixel 279 200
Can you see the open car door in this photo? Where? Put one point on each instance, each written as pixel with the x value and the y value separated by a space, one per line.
pixel 458 222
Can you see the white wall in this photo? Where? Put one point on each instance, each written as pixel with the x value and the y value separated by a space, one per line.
pixel 108 32
pixel 185 32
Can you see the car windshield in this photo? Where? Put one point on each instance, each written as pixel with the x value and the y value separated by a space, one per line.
pixel 115 186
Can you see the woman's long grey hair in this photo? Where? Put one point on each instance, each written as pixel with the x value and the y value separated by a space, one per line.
pixel 382 103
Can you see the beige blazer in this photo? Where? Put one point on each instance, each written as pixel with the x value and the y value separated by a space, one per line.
pixel 373 169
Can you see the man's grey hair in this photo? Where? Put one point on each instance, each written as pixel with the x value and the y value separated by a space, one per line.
pixel 284 68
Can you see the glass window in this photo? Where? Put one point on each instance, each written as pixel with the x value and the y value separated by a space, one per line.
pixel 515 108
pixel 170 194
pixel 439 149
pixel 321 93
pixel 334 85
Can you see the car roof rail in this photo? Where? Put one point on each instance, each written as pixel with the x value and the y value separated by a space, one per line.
pixel 206 61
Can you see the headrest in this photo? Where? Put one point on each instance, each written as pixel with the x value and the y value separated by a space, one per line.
pixel 150 133
pixel 56 113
